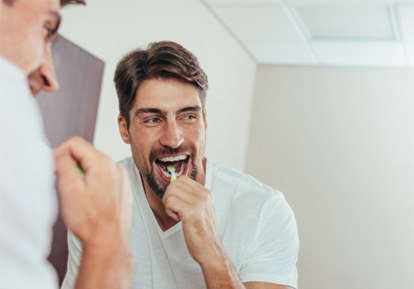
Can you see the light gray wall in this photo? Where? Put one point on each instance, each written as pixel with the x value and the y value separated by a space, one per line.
pixel 340 144
pixel 110 28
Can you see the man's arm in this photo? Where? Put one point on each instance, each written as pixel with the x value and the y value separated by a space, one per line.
pixel 225 276
pixel 189 202
pixel 100 268
pixel 96 207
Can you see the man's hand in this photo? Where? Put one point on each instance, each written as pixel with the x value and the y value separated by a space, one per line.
pixel 187 201
pixel 96 206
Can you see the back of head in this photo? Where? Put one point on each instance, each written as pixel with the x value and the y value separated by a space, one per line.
pixel 41 22
pixel 165 60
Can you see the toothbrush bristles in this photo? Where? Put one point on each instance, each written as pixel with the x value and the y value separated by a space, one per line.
pixel 171 172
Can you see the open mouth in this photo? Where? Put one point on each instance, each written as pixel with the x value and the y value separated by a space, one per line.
pixel 177 162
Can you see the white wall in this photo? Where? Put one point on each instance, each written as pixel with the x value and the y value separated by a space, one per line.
pixel 111 28
pixel 340 144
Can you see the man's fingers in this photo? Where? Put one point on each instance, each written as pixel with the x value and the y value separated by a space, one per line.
pixel 172 214
pixel 68 174
pixel 178 203
pixel 70 187
pixel 81 150
pixel 186 190
pixel 65 148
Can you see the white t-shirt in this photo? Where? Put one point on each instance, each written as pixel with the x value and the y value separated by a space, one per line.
pixel 27 197
pixel 256 225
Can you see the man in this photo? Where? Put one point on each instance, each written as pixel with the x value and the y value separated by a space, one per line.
pixel 95 204
pixel 197 224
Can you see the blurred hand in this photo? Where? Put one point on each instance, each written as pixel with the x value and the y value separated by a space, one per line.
pixel 187 201
pixel 96 205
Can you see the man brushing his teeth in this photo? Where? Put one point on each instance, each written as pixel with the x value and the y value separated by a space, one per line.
pixel 197 223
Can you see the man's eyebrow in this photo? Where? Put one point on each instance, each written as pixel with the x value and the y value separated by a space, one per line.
pixel 195 108
pixel 148 110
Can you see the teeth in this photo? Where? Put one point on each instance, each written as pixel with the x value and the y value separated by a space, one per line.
pixel 177 173
pixel 173 159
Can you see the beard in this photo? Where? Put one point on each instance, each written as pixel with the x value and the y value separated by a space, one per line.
pixel 149 175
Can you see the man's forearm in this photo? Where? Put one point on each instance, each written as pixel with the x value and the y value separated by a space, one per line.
pixel 105 270
pixel 221 274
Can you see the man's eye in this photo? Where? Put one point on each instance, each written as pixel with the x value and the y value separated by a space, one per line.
pixel 190 117
pixel 152 120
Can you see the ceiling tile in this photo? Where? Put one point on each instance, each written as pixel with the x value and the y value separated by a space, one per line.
pixel 360 54
pixel 282 53
pixel 347 22
pixel 406 15
pixel 341 32
pixel 261 23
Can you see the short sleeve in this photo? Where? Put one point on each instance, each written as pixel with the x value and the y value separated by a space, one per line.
pixel 274 252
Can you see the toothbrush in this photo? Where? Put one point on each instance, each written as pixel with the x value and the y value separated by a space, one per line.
pixel 171 171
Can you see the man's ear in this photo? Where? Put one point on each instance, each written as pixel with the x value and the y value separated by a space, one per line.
pixel 123 129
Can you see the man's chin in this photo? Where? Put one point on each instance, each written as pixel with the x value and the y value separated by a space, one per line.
pixel 155 187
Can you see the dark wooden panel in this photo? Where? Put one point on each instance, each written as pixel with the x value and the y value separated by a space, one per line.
pixel 68 112
pixel 72 109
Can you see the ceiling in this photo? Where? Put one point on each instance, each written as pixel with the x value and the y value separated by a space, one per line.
pixel 369 33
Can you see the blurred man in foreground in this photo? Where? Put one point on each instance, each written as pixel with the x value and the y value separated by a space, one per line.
pixel 96 205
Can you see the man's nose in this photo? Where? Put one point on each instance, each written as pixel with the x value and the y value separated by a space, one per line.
pixel 48 74
pixel 172 135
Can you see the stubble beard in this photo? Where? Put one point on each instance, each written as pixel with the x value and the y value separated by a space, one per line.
pixel 158 189
pixel 149 175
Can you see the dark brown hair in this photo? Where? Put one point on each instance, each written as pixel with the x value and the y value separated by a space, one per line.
pixel 164 59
